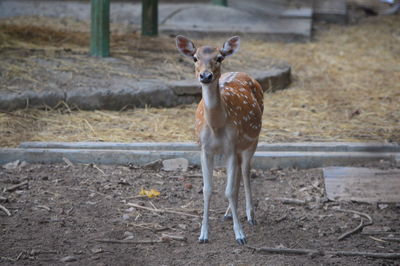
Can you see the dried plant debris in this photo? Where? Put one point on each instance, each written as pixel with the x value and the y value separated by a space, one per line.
pixel 345 84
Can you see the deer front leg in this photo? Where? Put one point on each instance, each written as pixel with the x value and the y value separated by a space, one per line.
pixel 207 165
pixel 232 168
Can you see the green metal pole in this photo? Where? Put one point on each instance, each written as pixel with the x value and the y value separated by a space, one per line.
pixel 100 28
pixel 220 2
pixel 149 17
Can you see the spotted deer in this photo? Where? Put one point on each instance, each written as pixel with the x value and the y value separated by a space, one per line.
pixel 228 122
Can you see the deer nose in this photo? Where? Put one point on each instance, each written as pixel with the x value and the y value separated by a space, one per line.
pixel 206 77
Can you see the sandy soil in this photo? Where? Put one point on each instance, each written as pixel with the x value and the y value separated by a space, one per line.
pixel 63 210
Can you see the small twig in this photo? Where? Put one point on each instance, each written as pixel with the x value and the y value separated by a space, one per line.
pixel 152 205
pixel 355 230
pixel 290 251
pixel 164 210
pixel 391 239
pixel 359 227
pixel 44 207
pixel 5 210
pixel 174 237
pixel 116 241
pixel 12 259
pixel 377 239
pixel 97 168
pixel 68 162
pixel 134 197
pixel 89 125
pixel 151 226
pixel 356 212
pixel 289 201
pixel 3 199
pixel 15 187
pixel 19 256
pixel 186 176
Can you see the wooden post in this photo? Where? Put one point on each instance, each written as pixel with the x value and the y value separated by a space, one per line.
pixel 220 2
pixel 150 17
pixel 100 28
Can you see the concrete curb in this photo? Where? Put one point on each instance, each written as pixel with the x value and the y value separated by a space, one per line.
pixel 139 94
pixel 316 155
pixel 192 146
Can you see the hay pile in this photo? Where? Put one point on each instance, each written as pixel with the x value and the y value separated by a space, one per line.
pixel 346 87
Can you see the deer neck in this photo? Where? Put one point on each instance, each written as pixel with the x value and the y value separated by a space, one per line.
pixel 214 111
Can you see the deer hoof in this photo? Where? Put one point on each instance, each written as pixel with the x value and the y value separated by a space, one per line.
pixel 227 217
pixel 241 241
pixel 252 222
pixel 203 241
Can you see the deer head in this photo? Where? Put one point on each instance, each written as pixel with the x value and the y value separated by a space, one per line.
pixel 207 59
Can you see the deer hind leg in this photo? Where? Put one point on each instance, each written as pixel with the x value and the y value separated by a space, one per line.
pixel 207 165
pixel 232 168
pixel 247 155
pixel 238 178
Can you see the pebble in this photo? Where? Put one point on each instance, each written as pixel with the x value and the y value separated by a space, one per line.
pixel 177 164
pixel 69 259
pixel 128 235
pixel 188 186
pixel 96 250
pixel 383 206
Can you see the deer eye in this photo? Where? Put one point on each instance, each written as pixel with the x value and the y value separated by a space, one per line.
pixel 195 59
pixel 219 59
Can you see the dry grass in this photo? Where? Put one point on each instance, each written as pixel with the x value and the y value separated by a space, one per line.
pixel 346 88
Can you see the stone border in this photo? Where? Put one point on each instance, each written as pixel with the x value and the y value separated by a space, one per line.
pixel 319 155
pixel 192 146
pixel 141 93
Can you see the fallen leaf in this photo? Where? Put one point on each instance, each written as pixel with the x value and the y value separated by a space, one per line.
pixel 152 193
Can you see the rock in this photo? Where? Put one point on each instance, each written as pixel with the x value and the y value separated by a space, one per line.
pixel 182 226
pixel 128 235
pixel 96 250
pixel 131 209
pixel 188 186
pixel 177 164
pixel 155 165
pixel 383 206
pixel 15 165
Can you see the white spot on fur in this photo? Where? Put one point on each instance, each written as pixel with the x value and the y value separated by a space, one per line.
pixel 228 78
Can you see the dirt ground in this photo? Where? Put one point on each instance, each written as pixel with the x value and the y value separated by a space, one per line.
pixel 63 210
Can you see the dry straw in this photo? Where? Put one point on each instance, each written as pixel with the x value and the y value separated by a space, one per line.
pixel 346 83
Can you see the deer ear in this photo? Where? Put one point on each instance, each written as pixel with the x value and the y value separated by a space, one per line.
pixel 185 46
pixel 231 46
